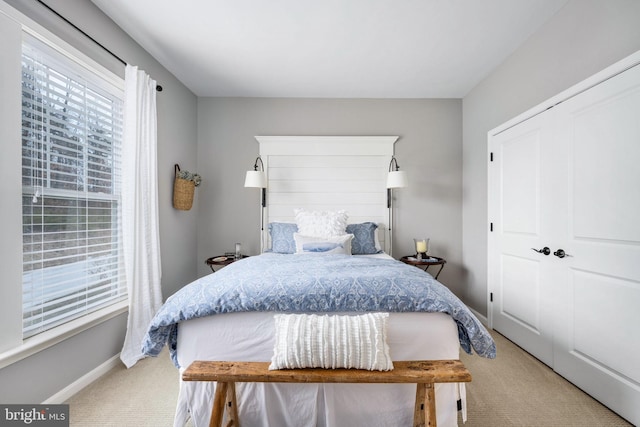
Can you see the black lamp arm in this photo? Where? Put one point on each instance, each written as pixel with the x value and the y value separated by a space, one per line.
pixel 255 165
pixel 393 160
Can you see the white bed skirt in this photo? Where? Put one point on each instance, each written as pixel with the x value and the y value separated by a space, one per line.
pixel 250 337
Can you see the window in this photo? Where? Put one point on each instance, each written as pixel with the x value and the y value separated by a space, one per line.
pixel 71 148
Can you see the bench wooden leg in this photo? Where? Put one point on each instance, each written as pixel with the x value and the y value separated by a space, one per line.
pixel 224 398
pixel 232 406
pixel 219 400
pixel 424 414
pixel 430 406
pixel 418 411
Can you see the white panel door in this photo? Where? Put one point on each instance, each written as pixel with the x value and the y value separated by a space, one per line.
pixel 520 280
pixel 569 179
pixel 597 344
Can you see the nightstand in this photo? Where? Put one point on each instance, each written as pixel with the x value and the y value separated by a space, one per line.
pixel 425 264
pixel 221 261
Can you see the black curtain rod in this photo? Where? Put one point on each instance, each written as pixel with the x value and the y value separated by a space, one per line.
pixel 158 87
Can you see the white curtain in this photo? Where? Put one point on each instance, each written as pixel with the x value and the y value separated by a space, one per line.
pixel 140 210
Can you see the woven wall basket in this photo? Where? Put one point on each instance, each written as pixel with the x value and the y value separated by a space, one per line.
pixel 183 190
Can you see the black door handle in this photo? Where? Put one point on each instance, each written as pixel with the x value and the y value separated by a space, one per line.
pixel 544 250
pixel 560 253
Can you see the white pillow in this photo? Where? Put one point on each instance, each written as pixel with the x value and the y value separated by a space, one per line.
pixel 377 240
pixel 340 341
pixel 323 245
pixel 321 223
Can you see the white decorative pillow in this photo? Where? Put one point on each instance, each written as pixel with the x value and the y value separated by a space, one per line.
pixel 321 223
pixel 323 245
pixel 329 342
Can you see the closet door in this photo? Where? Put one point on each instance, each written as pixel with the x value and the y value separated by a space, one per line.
pixel 569 179
pixel 520 279
pixel 597 339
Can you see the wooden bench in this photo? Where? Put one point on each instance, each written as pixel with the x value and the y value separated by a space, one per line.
pixel 424 373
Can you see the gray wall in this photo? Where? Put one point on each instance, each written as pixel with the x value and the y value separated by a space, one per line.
pixel 583 38
pixel 429 149
pixel 36 378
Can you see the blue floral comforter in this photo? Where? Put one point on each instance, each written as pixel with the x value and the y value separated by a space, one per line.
pixel 312 283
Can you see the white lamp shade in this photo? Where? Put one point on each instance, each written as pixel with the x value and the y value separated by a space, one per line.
pixel 397 179
pixel 255 179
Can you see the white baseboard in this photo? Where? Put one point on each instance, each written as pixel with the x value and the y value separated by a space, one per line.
pixel 73 388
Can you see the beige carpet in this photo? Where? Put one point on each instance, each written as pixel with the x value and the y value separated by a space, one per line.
pixel 515 389
pixel 144 395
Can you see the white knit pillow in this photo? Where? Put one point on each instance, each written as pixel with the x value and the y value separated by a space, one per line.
pixel 321 223
pixel 339 341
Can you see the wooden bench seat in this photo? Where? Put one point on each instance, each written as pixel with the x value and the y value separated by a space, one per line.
pixel 424 373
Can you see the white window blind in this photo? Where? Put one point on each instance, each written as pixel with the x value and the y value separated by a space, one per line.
pixel 71 145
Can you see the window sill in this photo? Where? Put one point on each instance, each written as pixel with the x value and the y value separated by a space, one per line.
pixel 46 339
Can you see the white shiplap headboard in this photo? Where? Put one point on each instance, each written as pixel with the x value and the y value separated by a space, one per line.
pixel 327 173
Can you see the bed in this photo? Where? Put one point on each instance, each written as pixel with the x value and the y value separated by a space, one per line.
pixel 229 315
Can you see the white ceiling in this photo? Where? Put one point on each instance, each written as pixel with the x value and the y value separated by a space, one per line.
pixel 330 48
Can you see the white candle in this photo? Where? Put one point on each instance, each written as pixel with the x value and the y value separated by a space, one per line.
pixel 421 246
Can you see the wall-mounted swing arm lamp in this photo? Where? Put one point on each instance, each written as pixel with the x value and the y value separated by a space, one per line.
pixel 395 179
pixel 257 179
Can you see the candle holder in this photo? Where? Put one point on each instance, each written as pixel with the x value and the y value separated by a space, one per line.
pixel 422 247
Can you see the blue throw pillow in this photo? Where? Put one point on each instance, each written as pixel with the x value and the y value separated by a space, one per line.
pixel 364 238
pixel 282 237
